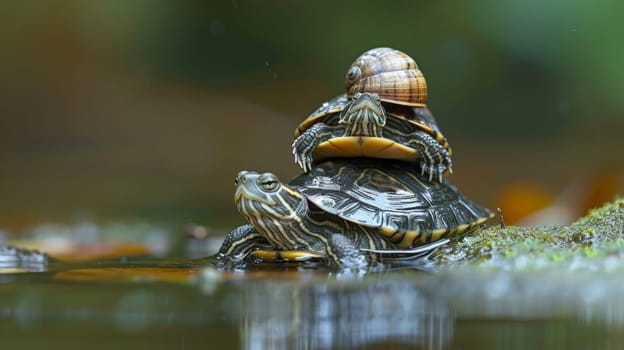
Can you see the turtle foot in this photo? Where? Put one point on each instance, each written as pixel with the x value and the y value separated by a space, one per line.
pixel 346 254
pixel 436 171
pixel 302 149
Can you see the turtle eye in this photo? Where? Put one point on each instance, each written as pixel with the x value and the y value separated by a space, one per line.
pixel 269 182
pixel 353 74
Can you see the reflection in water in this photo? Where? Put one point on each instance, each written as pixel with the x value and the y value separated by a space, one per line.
pixel 292 309
pixel 330 314
pixel 156 303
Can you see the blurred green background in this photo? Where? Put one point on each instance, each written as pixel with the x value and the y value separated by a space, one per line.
pixel 147 109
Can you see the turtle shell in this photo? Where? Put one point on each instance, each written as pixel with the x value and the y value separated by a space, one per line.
pixel 401 122
pixel 392 197
pixel 417 118
pixel 331 107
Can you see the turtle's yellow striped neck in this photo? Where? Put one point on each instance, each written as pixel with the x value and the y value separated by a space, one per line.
pixel 363 116
pixel 277 211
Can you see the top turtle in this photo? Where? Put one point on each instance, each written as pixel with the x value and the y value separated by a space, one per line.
pixel 384 115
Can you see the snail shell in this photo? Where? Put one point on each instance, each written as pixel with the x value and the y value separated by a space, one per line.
pixel 391 74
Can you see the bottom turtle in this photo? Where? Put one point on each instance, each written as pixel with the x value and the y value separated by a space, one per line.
pixel 347 211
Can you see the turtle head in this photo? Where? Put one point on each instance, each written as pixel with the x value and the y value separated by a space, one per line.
pixel 264 196
pixel 274 209
pixel 363 115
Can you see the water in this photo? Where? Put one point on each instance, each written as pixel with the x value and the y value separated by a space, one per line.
pixel 167 304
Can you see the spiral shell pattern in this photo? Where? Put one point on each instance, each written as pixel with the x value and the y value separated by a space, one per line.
pixel 391 74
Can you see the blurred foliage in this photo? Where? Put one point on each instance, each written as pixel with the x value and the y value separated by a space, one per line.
pixel 148 108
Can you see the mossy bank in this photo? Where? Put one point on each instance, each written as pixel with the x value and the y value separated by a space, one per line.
pixel 593 242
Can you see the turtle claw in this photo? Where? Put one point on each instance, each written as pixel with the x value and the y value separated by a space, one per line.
pixel 306 164
pixel 299 158
pixel 303 161
pixel 434 171
pixel 437 166
pixel 435 159
pixel 302 148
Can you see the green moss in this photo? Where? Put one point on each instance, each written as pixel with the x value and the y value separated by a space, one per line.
pixel 584 244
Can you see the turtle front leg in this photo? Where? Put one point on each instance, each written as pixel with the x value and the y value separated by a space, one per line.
pixel 306 143
pixel 344 254
pixel 239 243
pixel 435 160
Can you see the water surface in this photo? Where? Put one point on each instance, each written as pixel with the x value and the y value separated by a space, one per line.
pixel 186 304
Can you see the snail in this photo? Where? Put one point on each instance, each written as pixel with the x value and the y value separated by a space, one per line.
pixel 391 74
